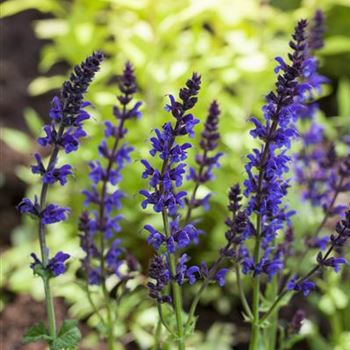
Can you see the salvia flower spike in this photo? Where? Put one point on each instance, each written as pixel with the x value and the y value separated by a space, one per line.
pixel 170 265
pixel 104 253
pixel 67 115
pixel 266 186
pixel 205 159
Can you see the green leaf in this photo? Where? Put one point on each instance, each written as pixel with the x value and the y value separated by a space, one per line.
pixel 38 332
pixel 41 85
pixel 68 336
pixel 33 121
pixel 10 8
pixel 16 139
pixel 343 97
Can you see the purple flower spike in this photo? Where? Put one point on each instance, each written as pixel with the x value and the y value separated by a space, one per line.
pixel 205 160
pixel 317 30
pixel 67 114
pixel 100 228
pixel 165 194
pixel 266 185
pixel 67 111
pixel 159 271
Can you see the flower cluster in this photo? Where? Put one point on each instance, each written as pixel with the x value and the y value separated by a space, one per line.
pixel 316 32
pixel 102 248
pixel 323 176
pixel 319 169
pixel 206 162
pixel 55 267
pixel 237 224
pixel 66 128
pixel 165 198
pixel 266 186
pixel 337 241
pixel 317 166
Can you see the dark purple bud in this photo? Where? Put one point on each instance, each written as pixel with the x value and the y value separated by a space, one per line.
pixel 73 90
pixel 210 135
pixel 316 31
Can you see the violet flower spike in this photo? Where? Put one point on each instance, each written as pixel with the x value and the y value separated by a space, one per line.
pixel 266 187
pixel 66 128
pixel 104 252
pixel 163 195
pixel 317 31
pixel 105 255
pixel 206 160
pixel 67 114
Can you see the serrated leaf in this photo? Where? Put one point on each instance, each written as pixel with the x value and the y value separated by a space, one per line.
pixel 68 337
pixel 38 332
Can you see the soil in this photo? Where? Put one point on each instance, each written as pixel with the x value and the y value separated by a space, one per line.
pixel 18 316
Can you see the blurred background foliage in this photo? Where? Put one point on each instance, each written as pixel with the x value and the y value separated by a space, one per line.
pixel 232 44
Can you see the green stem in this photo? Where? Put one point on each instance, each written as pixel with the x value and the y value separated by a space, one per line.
pixel 196 187
pixel 93 305
pixel 272 329
pixel 254 342
pixel 44 250
pixel 330 207
pixel 178 312
pixel 244 301
pixel 300 280
pixel 162 320
pixel 194 305
pixel 176 289
pixel 50 308
pixel 110 335
pixel 156 345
